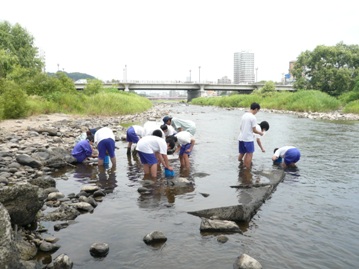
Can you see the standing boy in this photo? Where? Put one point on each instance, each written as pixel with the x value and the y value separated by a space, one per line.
pixel 263 127
pixel 246 135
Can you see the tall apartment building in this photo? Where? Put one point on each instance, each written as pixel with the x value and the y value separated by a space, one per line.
pixel 243 69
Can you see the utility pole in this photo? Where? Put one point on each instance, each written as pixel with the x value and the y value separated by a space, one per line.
pixel 199 74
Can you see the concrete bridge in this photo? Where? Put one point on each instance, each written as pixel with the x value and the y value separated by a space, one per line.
pixel 194 89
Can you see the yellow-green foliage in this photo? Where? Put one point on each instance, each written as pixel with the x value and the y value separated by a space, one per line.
pixel 39 105
pixel 113 102
pixel 116 103
pixel 312 101
pixel 352 107
pixel 297 101
pixel 12 101
pixel 94 86
pixel 236 100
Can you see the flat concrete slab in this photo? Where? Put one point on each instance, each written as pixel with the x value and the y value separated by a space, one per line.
pixel 251 196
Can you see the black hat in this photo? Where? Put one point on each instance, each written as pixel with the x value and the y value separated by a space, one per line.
pixel 165 119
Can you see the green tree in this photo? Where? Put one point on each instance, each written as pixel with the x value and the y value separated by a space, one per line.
pixel 331 69
pixel 93 87
pixel 7 62
pixel 18 42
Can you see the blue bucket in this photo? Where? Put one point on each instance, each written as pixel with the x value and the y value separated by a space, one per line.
pixel 278 161
pixel 169 173
pixel 106 160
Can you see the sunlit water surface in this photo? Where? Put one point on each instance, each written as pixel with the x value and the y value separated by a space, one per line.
pixel 311 220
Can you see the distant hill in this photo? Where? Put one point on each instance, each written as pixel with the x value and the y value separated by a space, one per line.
pixel 75 76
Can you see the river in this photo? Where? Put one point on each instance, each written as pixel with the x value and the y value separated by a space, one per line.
pixel 310 221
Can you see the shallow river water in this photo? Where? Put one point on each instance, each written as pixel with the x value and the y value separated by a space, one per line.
pixel 310 221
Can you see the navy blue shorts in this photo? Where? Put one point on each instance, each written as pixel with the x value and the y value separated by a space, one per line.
pixel 292 156
pixel 131 135
pixel 106 145
pixel 245 147
pixel 148 158
pixel 184 148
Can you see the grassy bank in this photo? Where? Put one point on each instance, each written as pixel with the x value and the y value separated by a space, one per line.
pixel 300 101
pixel 104 103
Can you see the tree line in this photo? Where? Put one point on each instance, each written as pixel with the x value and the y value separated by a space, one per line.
pixel 331 69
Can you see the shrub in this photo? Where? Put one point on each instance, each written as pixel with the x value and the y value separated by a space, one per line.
pixel 13 101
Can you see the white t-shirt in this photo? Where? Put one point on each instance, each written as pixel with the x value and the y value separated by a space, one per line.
pixel 183 137
pixel 281 151
pixel 151 144
pixel 248 121
pixel 258 128
pixel 150 126
pixel 139 130
pixel 170 130
pixel 102 134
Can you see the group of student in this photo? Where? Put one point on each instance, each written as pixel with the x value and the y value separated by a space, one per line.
pixel 154 141
pixel 287 156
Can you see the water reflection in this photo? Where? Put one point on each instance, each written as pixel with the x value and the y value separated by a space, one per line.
pixel 163 192
pixel 134 167
pixel 107 178
pixel 85 172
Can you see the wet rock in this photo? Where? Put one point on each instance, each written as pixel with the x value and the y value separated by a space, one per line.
pixel 64 212
pixel 48 247
pixel 246 262
pixel 62 262
pixel 59 226
pixel 90 200
pixel 155 237
pixel 99 249
pixel 219 226
pixel 222 239
pixel 82 206
pixel 99 193
pixel 90 188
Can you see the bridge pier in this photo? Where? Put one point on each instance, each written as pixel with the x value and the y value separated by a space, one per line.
pixel 191 94
pixel 127 89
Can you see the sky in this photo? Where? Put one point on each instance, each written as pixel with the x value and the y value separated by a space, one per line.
pixel 167 40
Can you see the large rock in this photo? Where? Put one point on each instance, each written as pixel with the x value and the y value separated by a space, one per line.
pixel 22 202
pixel 59 157
pixel 25 159
pixel 9 256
